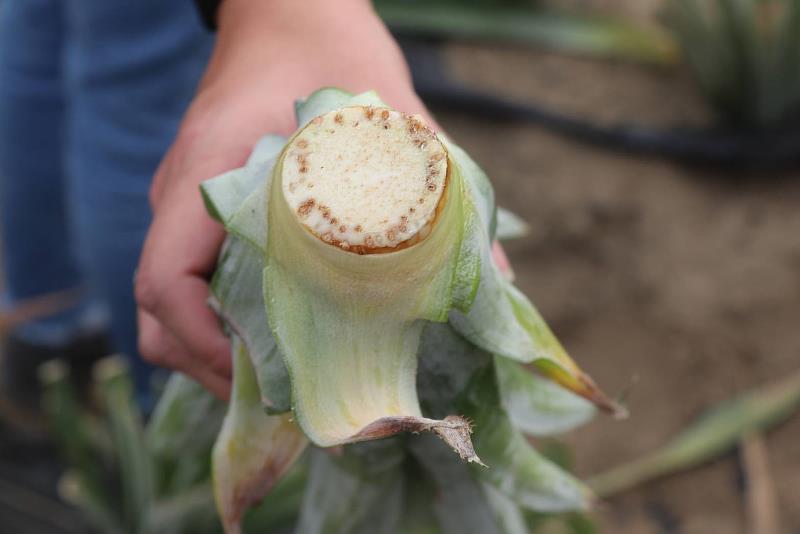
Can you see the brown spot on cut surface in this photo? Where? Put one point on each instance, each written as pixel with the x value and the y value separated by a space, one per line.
pixel 338 119
pixel 386 126
pixel 327 237
pixel 369 113
pixel 385 114
pixel 357 228
pixel 344 244
pixel 302 143
pixel 411 210
pixel 334 220
pixel 431 186
pixel 342 228
pixel 326 211
pixel 391 234
pixel 303 168
pixel 437 157
pixel 369 241
pixel 304 208
pixel 421 201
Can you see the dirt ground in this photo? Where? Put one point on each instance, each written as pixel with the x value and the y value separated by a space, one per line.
pixel 681 284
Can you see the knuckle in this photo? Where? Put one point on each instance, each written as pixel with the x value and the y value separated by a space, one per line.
pixel 216 360
pixel 209 358
pixel 146 291
pixel 219 366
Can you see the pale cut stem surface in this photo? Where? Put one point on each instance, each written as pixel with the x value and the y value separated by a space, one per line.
pixel 366 179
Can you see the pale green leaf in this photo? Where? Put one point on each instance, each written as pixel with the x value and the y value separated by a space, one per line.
pixel 224 194
pixel 253 450
pixel 515 468
pixel 181 433
pixel 359 490
pixel 506 511
pixel 456 376
pixel 267 148
pixel 239 300
pixel 510 226
pixel 479 187
pixel 501 319
pixel 460 505
pixel 247 223
pixel 537 406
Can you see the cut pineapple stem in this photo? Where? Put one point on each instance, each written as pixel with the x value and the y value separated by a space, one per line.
pixel 366 179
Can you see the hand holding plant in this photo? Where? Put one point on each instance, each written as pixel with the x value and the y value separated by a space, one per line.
pixel 267 54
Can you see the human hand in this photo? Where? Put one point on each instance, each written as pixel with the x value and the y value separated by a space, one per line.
pixel 266 55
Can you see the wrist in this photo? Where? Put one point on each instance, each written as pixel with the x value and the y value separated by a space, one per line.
pixel 257 36
pixel 269 53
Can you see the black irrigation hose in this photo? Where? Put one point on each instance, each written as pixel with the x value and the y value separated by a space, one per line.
pixel 705 146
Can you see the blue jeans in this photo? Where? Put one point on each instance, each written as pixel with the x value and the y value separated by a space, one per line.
pixel 91 94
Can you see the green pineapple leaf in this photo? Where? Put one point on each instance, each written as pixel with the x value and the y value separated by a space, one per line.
pixel 537 406
pixel 357 489
pixel 253 450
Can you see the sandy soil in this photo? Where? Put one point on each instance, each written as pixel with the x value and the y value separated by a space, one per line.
pixel 681 284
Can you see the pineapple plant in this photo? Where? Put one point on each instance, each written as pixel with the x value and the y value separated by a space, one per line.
pixel 358 287
pixel 381 377
pixel 744 56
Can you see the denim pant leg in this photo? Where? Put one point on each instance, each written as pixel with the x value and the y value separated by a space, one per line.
pixel 132 69
pixel 38 253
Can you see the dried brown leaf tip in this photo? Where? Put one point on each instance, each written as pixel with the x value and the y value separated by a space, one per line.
pixel 453 430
